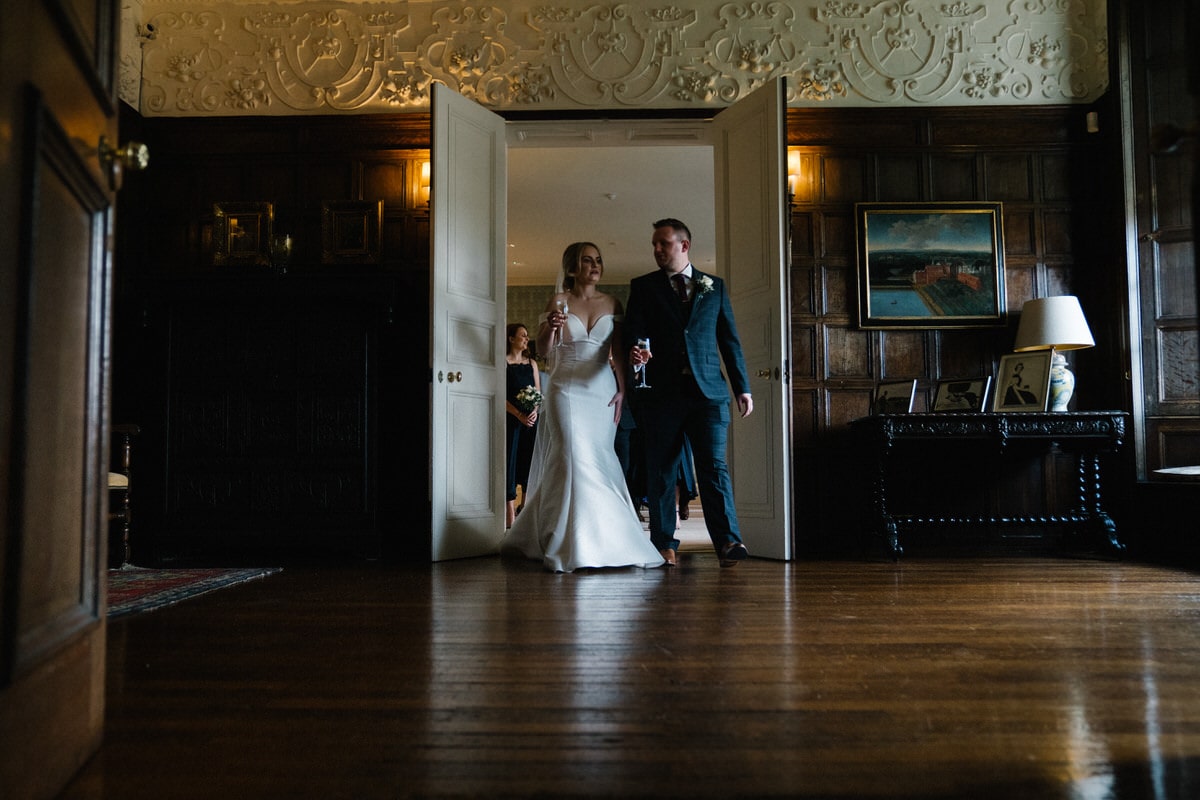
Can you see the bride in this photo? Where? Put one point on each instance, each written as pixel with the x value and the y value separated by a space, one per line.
pixel 578 513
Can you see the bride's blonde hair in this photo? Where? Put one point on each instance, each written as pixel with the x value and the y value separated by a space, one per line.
pixel 570 264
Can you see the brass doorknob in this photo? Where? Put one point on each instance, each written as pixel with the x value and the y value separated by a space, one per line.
pixel 134 156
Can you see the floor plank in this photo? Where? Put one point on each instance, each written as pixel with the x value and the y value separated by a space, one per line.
pixel 982 678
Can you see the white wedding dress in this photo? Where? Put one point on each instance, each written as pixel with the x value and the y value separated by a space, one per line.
pixel 578 512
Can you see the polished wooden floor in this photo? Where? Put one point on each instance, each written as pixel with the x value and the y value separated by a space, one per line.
pixel 977 678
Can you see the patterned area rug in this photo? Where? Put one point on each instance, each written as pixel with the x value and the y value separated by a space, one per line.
pixel 132 590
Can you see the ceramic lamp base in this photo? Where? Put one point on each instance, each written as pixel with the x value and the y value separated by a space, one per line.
pixel 1062 383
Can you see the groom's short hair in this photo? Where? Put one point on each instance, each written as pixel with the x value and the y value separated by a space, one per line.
pixel 675 225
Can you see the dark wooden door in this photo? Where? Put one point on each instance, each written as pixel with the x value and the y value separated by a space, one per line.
pixel 56 107
pixel 1166 321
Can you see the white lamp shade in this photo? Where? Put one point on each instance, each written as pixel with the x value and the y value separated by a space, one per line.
pixel 1053 323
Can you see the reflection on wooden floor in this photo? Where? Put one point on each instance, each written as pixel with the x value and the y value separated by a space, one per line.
pixel 691 533
pixel 489 677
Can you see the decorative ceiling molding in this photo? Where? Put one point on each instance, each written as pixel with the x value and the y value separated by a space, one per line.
pixel 315 57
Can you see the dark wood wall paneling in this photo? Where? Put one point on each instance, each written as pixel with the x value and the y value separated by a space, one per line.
pixel 1044 168
pixel 281 410
pixel 297 328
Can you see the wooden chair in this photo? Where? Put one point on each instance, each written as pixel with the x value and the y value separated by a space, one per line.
pixel 119 490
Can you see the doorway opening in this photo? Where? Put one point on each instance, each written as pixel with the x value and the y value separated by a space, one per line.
pixel 605 182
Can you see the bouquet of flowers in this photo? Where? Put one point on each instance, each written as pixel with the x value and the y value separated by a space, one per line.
pixel 528 399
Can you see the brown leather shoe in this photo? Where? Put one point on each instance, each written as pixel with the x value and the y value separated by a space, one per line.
pixel 732 553
pixel 684 511
pixel 668 555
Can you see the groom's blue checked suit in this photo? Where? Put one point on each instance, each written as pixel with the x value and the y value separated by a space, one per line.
pixel 687 394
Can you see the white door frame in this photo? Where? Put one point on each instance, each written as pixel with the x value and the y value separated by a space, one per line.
pixel 749 142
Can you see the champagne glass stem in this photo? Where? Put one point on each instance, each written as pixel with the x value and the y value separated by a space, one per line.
pixel 643 344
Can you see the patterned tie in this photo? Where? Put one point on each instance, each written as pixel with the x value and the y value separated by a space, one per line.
pixel 680 287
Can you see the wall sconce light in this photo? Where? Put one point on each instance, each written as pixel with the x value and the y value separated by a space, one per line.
pixel 1055 324
pixel 425 182
pixel 793 168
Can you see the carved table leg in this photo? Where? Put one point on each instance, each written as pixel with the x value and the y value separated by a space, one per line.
pixel 1090 504
pixel 888 529
pixel 891 535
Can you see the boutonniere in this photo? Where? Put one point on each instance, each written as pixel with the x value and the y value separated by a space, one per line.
pixel 704 284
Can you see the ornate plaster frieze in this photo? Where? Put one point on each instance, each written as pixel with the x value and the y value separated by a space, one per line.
pixel 192 58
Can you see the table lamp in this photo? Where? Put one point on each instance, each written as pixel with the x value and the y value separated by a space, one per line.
pixel 1056 324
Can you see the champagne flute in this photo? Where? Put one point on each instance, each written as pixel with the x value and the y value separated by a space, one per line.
pixel 640 369
pixel 561 306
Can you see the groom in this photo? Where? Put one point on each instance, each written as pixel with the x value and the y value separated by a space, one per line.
pixel 687 317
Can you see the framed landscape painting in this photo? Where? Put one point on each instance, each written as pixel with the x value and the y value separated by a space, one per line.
pixel 930 265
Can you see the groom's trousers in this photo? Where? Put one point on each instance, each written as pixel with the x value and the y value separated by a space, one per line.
pixel 664 421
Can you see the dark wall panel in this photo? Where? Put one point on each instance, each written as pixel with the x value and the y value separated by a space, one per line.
pixel 1019 235
pixel 844 179
pixel 277 409
pixel 897 175
pixel 1008 177
pixel 953 177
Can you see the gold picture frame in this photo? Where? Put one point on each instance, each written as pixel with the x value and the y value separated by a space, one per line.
pixel 242 233
pixel 930 265
pixel 351 231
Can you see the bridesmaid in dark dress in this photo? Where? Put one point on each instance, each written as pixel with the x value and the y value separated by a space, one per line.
pixel 521 424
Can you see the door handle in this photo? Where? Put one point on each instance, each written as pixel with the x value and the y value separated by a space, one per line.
pixel 134 157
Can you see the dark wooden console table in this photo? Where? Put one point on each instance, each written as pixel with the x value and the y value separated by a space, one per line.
pixel 1084 434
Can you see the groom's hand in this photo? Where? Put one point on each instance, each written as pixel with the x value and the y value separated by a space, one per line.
pixel 745 404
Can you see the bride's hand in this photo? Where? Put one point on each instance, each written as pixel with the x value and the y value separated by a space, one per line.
pixel 617 401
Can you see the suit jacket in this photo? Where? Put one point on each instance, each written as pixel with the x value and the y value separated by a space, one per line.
pixel 699 339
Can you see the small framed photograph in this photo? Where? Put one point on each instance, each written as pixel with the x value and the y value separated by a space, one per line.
pixel 962 394
pixel 350 231
pixel 895 397
pixel 1023 382
pixel 242 233
pixel 930 265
